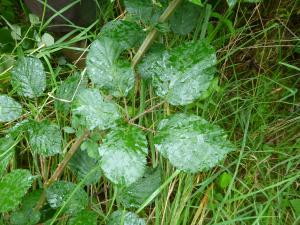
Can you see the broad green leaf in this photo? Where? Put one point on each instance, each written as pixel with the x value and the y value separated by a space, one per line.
pixel 26 214
pixel 126 34
pixel 67 91
pixel 85 217
pixel 16 32
pixel 142 10
pixel 45 138
pixel 81 165
pixel 191 143
pixel 125 218
pixel 13 187
pixel 123 155
pixel 295 203
pixel 225 180
pixel 138 192
pixel 183 74
pixel 58 194
pixel 47 40
pixel 94 110
pixel 28 77
pixel 106 71
pixel 185 18
pixel 9 109
pixel 6 152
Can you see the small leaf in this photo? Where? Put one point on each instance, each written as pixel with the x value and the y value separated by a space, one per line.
pixel 58 194
pixel 6 152
pixel 83 218
pixel 34 19
pixel 123 155
pixel 225 180
pixel 94 110
pixel 16 32
pixel 81 165
pixel 185 18
pixel 45 138
pixel 115 76
pixel 28 77
pixel 191 143
pixel 26 214
pixel 138 192
pixel 197 2
pixel 125 218
pixel 183 74
pixel 67 91
pixel 9 109
pixel 295 203
pixel 13 187
pixel 126 34
pixel 47 40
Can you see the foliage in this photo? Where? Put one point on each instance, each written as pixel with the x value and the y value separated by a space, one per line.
pixel 126 218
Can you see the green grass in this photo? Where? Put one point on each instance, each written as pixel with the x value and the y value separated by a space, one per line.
pixel 256 102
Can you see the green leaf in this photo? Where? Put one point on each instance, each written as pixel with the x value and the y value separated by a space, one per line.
pixel 197 2
pixel 138 192
pixel 125 218
pixel 28 77
pixel 123 155
pixel 142 10
pixel 232 3
pixel 9 109
pixel 295 203
pixel 183 74
pixel 185 18
pixel 6 152
pixel 26 214
pixel 81 165
pixel 94 110
pixel 83 218
pixel 13 187
pixel 45 138
pixel 126 34
pixel 58 194
pixel 191 143
pixel 110 74
pixel 67 91
pixel 225 180
pixel 47 40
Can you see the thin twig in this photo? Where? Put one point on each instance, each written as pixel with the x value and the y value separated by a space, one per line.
pixel 146 111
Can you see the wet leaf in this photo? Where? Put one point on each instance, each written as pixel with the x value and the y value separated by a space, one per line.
pixel 185 18
pixel 106 71
pixel 58 194
pixel 45 138
pixel 83 218
pixel 6 152
pixel 26 214
pixel 138 192
pixel 67 91
pixel 9 109
pixel 81 165
pixel 191 143
pixel 126 34
pixel 123 155
pixel 28 77
pixel 13 187
pixel 94 110
pixel 183 74
pixel 125 218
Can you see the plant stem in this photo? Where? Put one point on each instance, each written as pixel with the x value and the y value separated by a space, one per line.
pixel 152 35
pixel 57 173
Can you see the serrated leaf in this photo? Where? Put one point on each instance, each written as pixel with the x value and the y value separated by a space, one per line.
pixel 83 218
pixel 123 155
pixel 6 152
pixel 26 214
pixel 126 34
pixel 58 194
pixel 106 71
pixel 28 77
pixel 9 109
pixel 185 18
pixel 13 187
pixel 45 138
pixel 191 143
pixel 138 192
pixel 94 110
pixel 183 74
pixel 140 9
pixel 67 91
pixel 81 165
pixel 125 218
